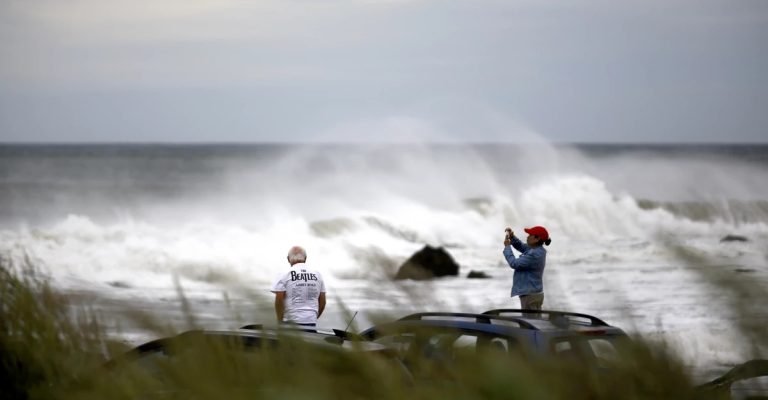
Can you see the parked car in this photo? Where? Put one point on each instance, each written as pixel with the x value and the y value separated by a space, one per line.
pixel 250 337
pixel 240 358
pixel 440 338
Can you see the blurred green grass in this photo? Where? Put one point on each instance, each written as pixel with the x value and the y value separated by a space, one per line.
pixel 52 349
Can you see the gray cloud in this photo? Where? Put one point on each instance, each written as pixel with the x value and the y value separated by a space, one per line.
pixel 647 71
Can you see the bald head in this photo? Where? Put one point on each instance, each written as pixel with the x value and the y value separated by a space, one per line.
pixel 296 255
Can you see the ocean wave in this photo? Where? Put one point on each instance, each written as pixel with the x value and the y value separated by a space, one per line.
pixel 396 231
pixel 727 211
pixel 332 227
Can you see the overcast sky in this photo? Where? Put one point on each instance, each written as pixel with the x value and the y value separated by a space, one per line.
pixel 383 70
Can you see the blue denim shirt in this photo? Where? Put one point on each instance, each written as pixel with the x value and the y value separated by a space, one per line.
pixel 529 267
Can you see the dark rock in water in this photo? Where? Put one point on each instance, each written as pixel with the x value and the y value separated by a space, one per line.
pixel 427 263
pixel 734 238
pixel 119 285
pixel 478 275
pixel 744 270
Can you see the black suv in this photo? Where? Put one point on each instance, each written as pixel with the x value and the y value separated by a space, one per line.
pixel 444 336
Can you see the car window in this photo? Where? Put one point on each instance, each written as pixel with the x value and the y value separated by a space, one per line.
pixel 566 348
pixel 400 342
pixel 603 350
pixel 454 340
pixel 562 346
pixel 464 345
pixel 499 344
pixel 448 343
pixel 460 344
pixel 502 346
pixel 465 341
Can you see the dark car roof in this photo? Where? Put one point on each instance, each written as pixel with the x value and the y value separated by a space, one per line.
pixel 505 321
pixel 551 320
pixel 335 337
pixel 257 336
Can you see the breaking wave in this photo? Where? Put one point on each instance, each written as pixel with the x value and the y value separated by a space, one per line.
pixel 735 212
pixel 227 218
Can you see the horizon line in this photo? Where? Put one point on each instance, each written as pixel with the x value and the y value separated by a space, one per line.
pixel 374 143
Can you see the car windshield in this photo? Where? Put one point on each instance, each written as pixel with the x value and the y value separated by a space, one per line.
pixel 446 343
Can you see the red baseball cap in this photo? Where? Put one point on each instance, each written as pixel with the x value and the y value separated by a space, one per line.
pixel 539 231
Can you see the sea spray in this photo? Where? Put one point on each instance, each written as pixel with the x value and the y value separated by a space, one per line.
pixel 124 223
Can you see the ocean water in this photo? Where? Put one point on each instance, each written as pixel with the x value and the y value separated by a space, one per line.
pixel 636 230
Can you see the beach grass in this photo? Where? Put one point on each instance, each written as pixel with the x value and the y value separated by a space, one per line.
pixel 54 349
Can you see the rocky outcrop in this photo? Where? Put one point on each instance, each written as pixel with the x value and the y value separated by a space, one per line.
pixel 427 263
pixel 477 275
pixel 734 238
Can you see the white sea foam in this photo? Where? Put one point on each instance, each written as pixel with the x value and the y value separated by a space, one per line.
pixel 362 211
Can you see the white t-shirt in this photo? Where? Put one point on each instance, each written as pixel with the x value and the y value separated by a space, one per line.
pixel 302 287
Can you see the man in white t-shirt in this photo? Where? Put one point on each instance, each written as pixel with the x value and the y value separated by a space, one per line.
pixel 299 293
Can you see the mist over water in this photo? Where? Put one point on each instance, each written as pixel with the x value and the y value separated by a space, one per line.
pixel 125 219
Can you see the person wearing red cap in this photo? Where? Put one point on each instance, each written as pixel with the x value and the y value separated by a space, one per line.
pixel 527 281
